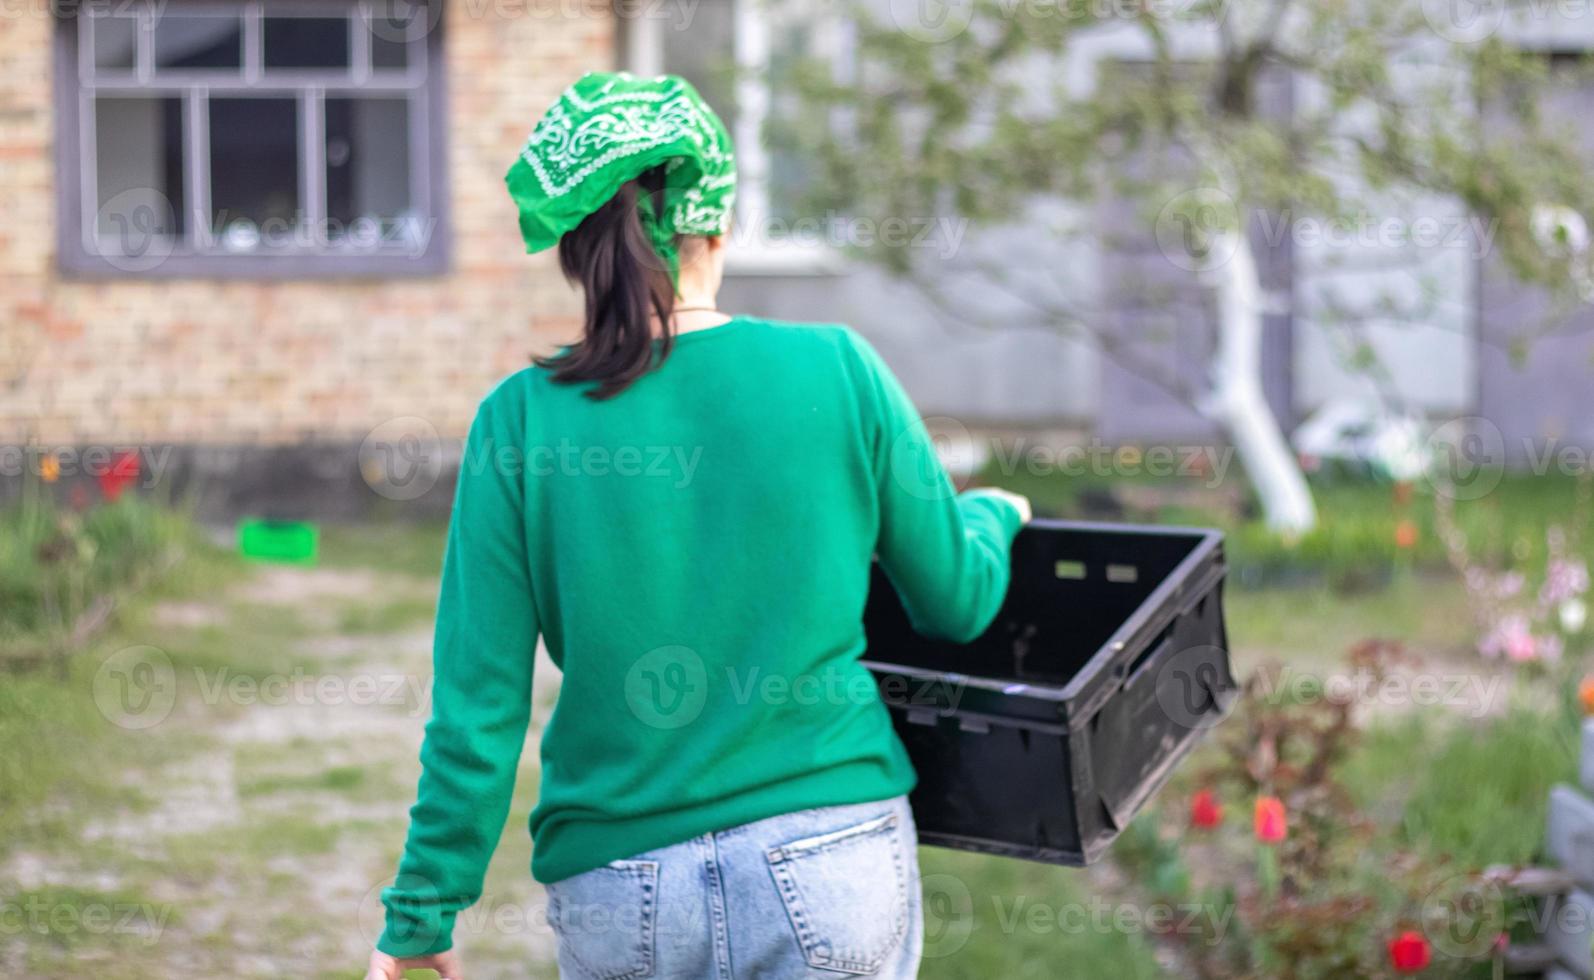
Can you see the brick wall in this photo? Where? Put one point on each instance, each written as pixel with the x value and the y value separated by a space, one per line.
pixel 274 363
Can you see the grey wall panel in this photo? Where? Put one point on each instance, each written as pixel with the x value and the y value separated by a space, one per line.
pixel 1543 399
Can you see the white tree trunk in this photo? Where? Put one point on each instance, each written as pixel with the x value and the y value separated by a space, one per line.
pixel 1237 401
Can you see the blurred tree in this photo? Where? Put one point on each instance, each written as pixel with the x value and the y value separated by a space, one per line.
pixel 981 111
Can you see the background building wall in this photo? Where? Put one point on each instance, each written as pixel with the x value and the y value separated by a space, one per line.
pixel 270 362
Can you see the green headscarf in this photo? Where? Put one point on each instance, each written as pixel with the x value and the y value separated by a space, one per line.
pixel 608 128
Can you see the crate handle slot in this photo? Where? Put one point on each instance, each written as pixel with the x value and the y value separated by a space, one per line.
pixel 1072 570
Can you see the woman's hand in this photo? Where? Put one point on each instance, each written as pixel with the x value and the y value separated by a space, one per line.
pixel 385 967
pixel 1018 500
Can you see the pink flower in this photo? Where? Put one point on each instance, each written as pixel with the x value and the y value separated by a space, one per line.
pixel 1563 580
pixel 1512 638
pixel 1271 822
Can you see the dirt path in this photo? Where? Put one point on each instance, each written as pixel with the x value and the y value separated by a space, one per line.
pixel 268 806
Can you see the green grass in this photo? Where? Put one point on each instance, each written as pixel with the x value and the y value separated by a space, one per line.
pixel 1352 549
pixel 57 564
pixel 342 780
pixel 993 917
pixel 1481 793
pixel 398 546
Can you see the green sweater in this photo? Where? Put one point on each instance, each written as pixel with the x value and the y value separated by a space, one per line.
pixel 695 554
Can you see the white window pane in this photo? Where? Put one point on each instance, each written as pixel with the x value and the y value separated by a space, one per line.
pixel 115 42
pixel 138 153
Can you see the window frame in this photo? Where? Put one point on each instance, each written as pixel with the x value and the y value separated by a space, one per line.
pixel 424 88
pixel 755 23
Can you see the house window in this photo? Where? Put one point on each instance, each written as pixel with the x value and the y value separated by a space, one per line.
pixel 253 139
pixel 735 52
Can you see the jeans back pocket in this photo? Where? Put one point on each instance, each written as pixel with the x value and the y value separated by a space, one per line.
pixel 604 920
pixel 846 893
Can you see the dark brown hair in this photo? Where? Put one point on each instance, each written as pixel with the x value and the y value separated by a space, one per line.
pixel 610 256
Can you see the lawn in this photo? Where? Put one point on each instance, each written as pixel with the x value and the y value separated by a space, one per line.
pixel 247 829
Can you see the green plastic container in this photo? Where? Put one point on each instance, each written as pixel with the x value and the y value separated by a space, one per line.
pixel 292 542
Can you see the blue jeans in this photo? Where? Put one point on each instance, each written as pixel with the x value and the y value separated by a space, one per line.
pixel 830 892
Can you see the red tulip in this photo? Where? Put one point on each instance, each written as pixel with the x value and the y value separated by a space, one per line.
pixel 120 475
pixel 1205 810
pixel 1271 822
pixel 1409 952
pixel 1406 535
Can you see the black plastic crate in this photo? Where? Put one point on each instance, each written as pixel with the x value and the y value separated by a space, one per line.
pixel 1044 737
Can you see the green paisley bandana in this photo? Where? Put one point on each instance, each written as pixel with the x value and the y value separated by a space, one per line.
pixel 609 128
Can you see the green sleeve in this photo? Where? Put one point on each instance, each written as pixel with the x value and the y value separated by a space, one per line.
pixel 482 656
pixel 946 553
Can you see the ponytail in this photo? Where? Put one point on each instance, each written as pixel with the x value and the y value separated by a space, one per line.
pixel 611 257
